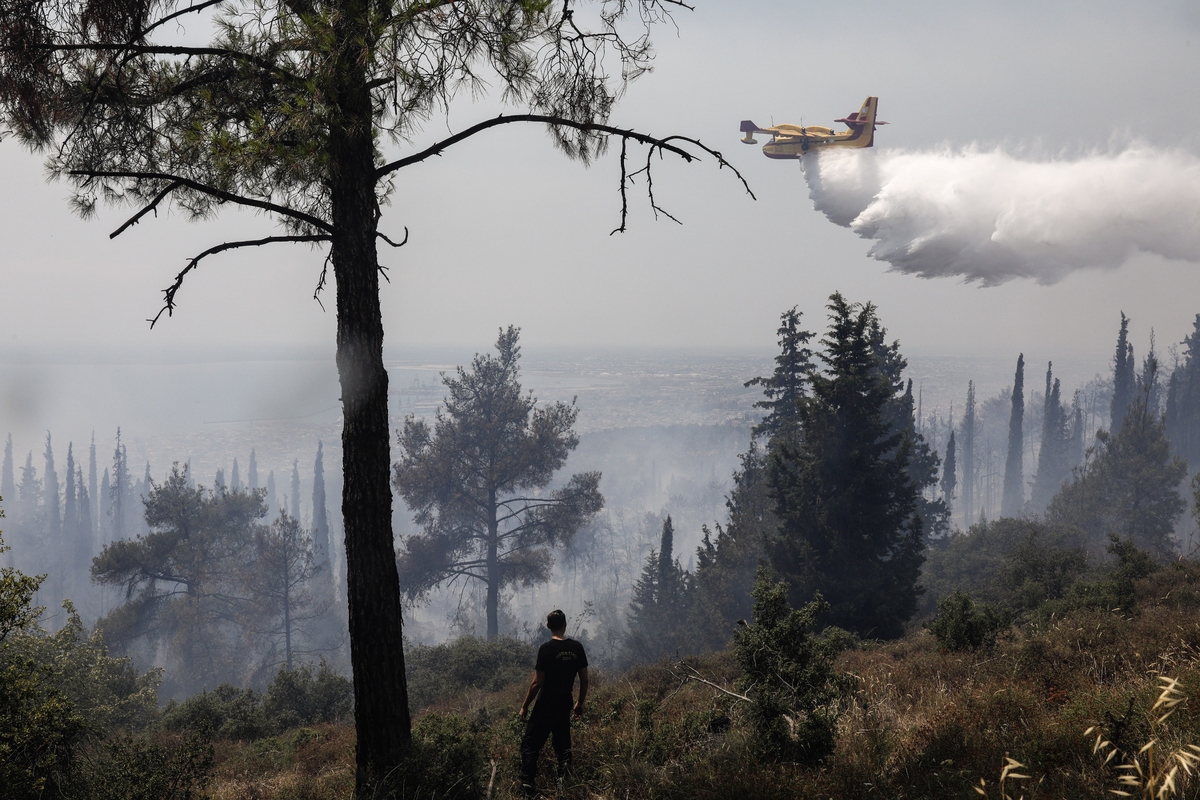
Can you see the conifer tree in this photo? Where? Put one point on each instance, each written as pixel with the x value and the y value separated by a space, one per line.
pixel 70 524
pixel 121 489
pixel 968 457
pixel 788 385
pixel 252 471
pixel 850 527
pixel 51 503
pixel 1014 477
pixel 726 565
pixel 93 487
pixel 105 522
pixel 320 515
pixel 273 504
pixel 1053 465
pixel 235 479
pixel 476 483
pixel 8 485
pixel 295 510
pixel 86 537
pixel 219 479
pixel 1129 487
pixel 949 476
pixel 1124 381
pixel 659 605
pixel 1183 400
pixel 29 506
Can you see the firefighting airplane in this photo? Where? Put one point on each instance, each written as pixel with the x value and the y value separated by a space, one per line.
pixel 793 141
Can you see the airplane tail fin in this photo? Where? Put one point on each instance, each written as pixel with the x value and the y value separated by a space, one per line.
pixel 863 123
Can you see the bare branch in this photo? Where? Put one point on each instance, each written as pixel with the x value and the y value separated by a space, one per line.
pixel 193 9
pixel 169 292
pixel 151 207
pixel 624 133
pixel 220 194
pixel 624 196
pixel 164 50
pixel 401 243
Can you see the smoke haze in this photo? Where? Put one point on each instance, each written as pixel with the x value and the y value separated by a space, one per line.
pixel 989 216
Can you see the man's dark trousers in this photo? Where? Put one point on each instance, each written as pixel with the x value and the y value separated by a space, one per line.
pixel 544 723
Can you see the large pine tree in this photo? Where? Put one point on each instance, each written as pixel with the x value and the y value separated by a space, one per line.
pixel 1014 476
pixel 787 386
pixel 848 505
pixel 1054 465
pixel 659 605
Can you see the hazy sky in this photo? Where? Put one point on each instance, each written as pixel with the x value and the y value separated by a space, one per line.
pixel 506 230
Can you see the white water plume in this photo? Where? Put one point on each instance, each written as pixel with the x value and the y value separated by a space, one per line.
pixel 988 216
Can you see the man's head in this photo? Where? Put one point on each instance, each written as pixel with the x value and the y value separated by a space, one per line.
pixel 556 621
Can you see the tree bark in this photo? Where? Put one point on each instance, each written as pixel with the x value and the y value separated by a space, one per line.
pixel 381 715
pixel 493 570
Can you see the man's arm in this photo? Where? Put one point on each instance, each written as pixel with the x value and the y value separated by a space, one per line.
pixel 535 685
pixel 583 684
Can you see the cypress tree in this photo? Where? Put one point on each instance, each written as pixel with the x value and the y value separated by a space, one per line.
pixel 1124 381
pixel 320 515
pixel 968 457
pixel 105 521
pixel 93 488
pixel 252 471
pixel 1053 467
pixel 658 609
pixel 1014 477
pixel 949 478
pixel 295 510
pixel 235 480
pixel 219 479
pixel 50 504
pixel 70 525
pixel 120 491
pixel 272 502
pixel 85 540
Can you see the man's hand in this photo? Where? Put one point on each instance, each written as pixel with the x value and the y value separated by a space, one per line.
pixel 579 710
pixel 521 713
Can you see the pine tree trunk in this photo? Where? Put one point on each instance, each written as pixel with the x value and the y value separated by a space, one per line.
pixel 493 571
pixel 381 715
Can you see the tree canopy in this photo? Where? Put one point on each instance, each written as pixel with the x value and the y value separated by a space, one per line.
pixel 477 480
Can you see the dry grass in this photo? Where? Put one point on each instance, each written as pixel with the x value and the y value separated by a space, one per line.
pixel 921 723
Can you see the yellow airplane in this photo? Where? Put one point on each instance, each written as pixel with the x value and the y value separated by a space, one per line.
pixel 793 141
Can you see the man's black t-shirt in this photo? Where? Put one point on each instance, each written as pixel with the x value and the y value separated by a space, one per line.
pixel 559 660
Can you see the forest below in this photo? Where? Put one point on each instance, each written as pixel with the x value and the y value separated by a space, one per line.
pixel 891 602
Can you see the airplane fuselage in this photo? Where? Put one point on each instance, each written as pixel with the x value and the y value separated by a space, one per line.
pixel 794 141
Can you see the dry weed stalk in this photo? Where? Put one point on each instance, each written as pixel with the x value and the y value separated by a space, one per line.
pixel 1147 774
pixel 1007 773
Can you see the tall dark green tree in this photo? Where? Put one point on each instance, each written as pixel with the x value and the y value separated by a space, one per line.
pixel 950 472
pixel 252 471
pixel 1014 476
pixel 289 110
pixel 93 488
pixel 1129 487
pixel 850 527
pixel 787 386
pixel 727 562
pixel 1182 414
pixel 967 456
pixel 477 483
pixel 320 514
pixel 1124 379
pixel 1053 464
pixel 659 606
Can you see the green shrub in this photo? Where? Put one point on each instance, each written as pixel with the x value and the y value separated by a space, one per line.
pixel 963 624
pixel 139 767
pixel 448 760
pixel 790 672
pixel 445 671
pixel 226 712
pixel 307 695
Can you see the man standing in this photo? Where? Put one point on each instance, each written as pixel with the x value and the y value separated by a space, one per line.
pixel 558 661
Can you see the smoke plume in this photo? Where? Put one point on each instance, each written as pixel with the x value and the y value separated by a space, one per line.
pixel 990 217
